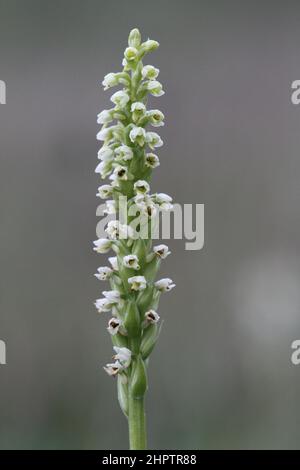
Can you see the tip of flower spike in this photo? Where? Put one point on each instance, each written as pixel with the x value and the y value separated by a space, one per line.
pixel 134 39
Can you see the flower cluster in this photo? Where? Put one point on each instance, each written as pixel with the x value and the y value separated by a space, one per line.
pixel 127 160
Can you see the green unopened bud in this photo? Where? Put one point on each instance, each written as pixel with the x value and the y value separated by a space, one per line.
pixel 123 393
pixel 149 339
pixel 132 319
pixel 138 382
pixel 150 45
pixel 151 269
pixel 145 299
pixel 120 341
pixel 134 39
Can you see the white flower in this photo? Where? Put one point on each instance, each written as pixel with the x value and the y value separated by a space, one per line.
pixel 121 172
pixel 155 88
pixel 102 305
pixel 131 54
pixel 164 285
pixel 156 117
pixel 115 230
pixel 107 133
pixel 112 296
pixel 105 116
pixel 111 79
pixel 123 356
pixel 110 207
pixel 141 187
pixel 152 317
pixel 164 201
pixel 131 261
pixel 153 140
pixel 102 245
pixel 114 181
pixel 104 273
pixel 112 229
pixel 124 153
pixel 113 369
pixel 113 326
pixel 138 135
pixel 105 153
pixel 105 191
pixel 149 72
pixel 114 263
pixel 137 283
pixel 138 107
pixel 120 98
pixel 104 168
pixel 152 160
pixel 146 205
pixel 138 110
pixel 161 251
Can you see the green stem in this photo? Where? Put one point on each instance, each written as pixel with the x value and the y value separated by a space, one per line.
pixel 137 423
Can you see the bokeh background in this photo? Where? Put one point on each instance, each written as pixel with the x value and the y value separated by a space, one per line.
pixel 221 375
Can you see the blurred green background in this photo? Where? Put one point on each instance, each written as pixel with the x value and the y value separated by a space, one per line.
pixel 221 375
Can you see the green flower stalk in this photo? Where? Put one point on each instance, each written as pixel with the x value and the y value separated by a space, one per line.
pixel 127 159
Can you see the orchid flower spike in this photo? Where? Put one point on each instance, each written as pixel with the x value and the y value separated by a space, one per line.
pixel 127 160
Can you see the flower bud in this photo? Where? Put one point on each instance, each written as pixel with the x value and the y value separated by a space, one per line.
pixel 132 319
pixel 134 39
pixel 145 299
pixel 150 45
pixel 123 393
pixel 149 339
pixel 151 268
pixel 138 248
pixel 138 383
